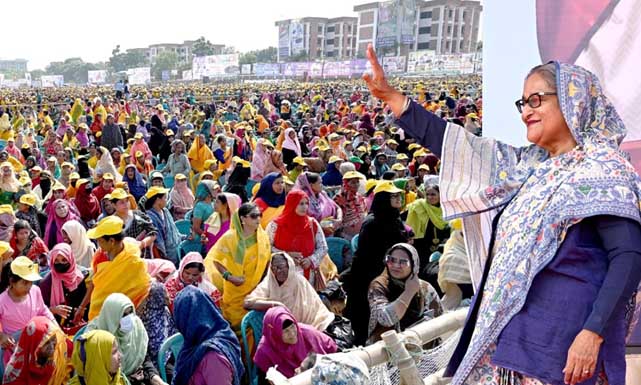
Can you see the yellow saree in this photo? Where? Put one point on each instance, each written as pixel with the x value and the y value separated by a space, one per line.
pixel 126 274
pixel 242 257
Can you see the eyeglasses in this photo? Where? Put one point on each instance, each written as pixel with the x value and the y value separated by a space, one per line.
pixel 534 100
pixel 397 261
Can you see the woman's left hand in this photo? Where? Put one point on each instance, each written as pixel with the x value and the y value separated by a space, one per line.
pixel 582 357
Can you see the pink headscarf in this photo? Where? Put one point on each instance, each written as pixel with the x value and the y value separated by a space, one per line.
pixel 292 144
pixel 71 279
pixel 321 206
pixel 175 284
pixel 259 161
pixel 273 351
pixel 53 218
pixel 157 266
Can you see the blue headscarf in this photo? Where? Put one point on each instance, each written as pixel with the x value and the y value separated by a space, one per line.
pixel 137 186
pixel 203 328
pixel 266 192
pixel 206 129
pixel 332 177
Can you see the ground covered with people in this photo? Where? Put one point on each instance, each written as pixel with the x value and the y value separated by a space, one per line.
pixel 236 227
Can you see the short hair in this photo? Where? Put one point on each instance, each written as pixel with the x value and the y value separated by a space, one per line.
pixel 547 72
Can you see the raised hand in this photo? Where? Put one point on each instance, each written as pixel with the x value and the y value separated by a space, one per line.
pixel 379 87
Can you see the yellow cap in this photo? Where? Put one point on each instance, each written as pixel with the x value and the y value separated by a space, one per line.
pixel 28 199
pixel 387 186
pixel 138 135
pixel 58 186
pixel 110 225
pixel 4 247
pixel 80 182
pixel 107 176
pixel 119 194
pixel 24 180
pixel 299 161
pixel 36 169
pixel 180 177
pixel 205 173
pixel 322 148
pixel 379 133
pixel 209 163
pixel 139 154
pixel 169 133
pixel 402 157
pixel 361 149
pixel 98 134
pixel 412 146
pixel 333 137
pixel 74 175
pixel 334 158
pixel 160 107
pixel 456 224
pixel 155 190
pixel 288 181
pixel 156 175
pixel 424 167
pixel 7 164
pixel 67 164
pixel 25 268
pixel 353 175
pixel 25 146
pixel 398 167
pixel 420 152
pixel 244 163
pixel 392 141
pixel 370 184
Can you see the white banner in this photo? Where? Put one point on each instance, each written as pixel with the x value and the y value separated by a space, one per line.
pixel 266 69
pixel 246 69
pixel 296 36
pixel 420 61
pixel 97 77
pixel 1 79
pixel 187 75
pixel 215 65
pixel 394 64
pixel 52 81
pixel 140 75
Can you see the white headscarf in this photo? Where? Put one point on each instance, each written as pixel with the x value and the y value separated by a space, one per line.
pixel 297 294
pixel 82 248
pixel 106 165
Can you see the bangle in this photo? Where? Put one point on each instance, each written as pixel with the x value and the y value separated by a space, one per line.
pixel 402 302
pixel 226 275
pixel 406 105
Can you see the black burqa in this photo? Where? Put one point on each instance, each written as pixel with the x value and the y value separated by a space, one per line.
pixel 237 182
pixel 382 229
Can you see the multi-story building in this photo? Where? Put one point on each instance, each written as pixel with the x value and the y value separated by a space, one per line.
pixel 16 65
pixel 314 38
pixel 184 50
pixel 444 26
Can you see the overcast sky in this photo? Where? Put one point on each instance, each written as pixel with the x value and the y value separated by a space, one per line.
pixel 45 31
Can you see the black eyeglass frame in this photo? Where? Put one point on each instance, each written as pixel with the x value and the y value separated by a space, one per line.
pixel 520 103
